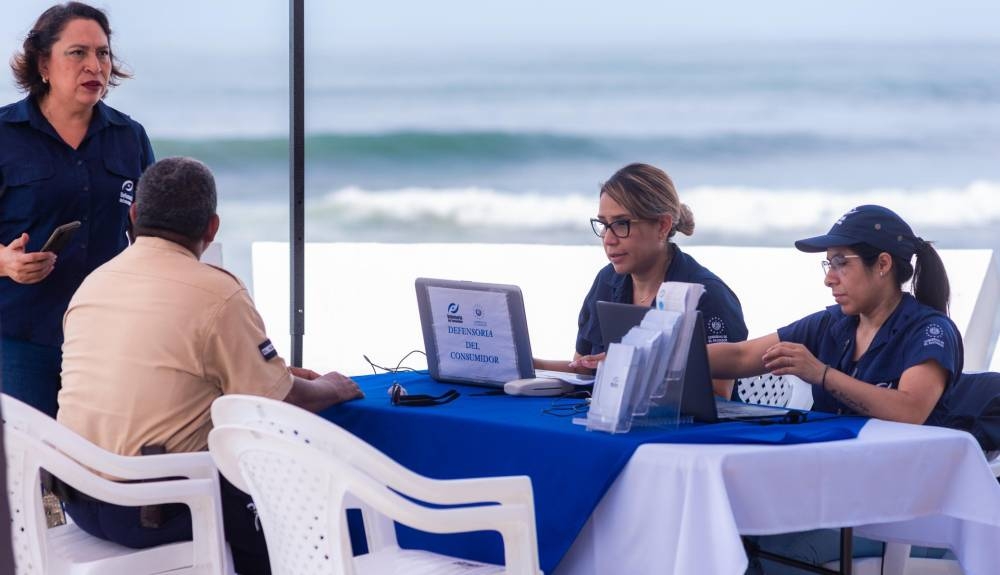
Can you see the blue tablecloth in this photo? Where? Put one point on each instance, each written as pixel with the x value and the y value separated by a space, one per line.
pixel 495 435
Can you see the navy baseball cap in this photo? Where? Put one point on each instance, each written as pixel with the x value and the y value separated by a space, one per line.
pixel 876 226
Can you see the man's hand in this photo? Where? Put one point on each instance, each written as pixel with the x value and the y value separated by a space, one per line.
pixel 25 268
pixel 340 387
pixel 316 392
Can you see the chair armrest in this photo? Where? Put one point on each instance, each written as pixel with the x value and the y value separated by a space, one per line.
pixel 83 478
pixel 514 489
pixel 193 465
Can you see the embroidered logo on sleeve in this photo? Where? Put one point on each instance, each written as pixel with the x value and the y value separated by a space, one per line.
pixel 127 194
pixel 267 350
pixel 933 335
pixel 716 330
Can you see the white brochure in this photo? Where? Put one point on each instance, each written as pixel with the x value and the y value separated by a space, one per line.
pixel 647 346
pixel 609 407
pixel 679 296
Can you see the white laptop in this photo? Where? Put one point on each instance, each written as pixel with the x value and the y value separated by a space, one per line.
pixel 477 333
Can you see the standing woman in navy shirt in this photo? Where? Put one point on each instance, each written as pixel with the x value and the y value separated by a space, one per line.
pixel 64 156
pixel 638 214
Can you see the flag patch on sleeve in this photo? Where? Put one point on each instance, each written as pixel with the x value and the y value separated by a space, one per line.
pixel 267 350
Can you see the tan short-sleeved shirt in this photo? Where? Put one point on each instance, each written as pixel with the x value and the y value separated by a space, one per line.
pixel 152 338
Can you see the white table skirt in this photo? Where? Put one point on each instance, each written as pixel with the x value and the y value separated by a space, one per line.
pixel 680 509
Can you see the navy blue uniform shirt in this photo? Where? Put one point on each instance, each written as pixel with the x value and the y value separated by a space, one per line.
pixel 45 183
pixel 719 306
pixel 913 334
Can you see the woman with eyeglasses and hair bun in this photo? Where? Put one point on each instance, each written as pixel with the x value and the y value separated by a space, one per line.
pixel 879 352
pixel 65 158
pixel 638 215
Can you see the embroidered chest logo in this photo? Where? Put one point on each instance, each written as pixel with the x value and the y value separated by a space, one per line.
pixel 933 335
pixel 716 330
pixel 127 194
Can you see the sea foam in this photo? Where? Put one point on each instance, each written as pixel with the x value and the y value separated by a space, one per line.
pixel 722 210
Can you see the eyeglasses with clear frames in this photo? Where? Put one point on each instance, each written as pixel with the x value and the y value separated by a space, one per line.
pixel 620 228
pixel 836 263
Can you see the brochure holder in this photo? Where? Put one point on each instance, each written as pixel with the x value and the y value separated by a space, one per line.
pixel 640 381
pixel 614 386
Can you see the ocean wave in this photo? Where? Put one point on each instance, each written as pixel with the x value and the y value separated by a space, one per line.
pixel 960 217
pixel 497 147
pixel 743 211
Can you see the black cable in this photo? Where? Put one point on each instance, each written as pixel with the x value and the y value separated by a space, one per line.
pixel 375 367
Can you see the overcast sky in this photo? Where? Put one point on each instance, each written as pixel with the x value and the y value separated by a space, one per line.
pixel 261 25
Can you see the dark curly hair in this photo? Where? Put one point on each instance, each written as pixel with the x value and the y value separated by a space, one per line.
pixel 175 195
pixel 38 44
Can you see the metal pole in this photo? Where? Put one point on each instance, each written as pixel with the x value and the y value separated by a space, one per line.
pixel 297 175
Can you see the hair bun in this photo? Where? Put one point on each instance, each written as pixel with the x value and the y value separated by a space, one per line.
pixel 685 220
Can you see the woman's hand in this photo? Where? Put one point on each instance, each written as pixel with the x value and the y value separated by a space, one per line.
pixel 587 361
pixel 785 358
pixel 25 268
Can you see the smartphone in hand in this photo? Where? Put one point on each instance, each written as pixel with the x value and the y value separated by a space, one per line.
pixel 60 237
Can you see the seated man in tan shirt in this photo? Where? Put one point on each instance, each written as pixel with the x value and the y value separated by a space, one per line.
pixel 152 337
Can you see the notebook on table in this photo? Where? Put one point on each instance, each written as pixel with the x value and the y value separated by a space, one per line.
pixel 697 398
pixel 477 333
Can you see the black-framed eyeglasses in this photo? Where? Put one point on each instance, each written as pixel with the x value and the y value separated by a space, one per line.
pixel 620 228
pixel 836 263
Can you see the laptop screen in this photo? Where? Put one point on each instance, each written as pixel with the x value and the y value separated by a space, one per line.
pixel 695 396
pixel 474 332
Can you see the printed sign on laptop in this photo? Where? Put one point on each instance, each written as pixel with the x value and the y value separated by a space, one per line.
pixel 477 333
pixel 473 334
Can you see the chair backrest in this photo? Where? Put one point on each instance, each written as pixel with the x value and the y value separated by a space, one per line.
pixel 972 404
pixel 777 390
pixel 6 552
pixel 35 441
pixel 301 471
pixel 764 389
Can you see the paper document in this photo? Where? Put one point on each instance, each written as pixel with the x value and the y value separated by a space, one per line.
pixel 679 296
pixel 571 378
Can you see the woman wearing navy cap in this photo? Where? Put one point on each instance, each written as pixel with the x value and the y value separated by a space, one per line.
pixel 879 352
pixel 65 156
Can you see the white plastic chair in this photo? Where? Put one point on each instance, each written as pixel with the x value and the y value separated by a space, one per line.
pixel 777 390
pixel 764 389
pixel 35 441
pixel 304 472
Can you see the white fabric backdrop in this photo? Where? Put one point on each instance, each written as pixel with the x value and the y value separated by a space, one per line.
pixel 360 297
